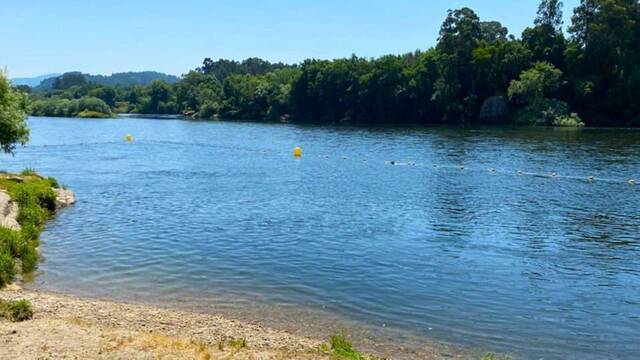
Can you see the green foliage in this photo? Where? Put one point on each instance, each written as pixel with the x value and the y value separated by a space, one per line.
pixel 534 91
pixel 542 80
pixel 604 51
pixel 13 112
pixel 238 343
pixel 571 120
pixel 69 80
pixel 7 267
pixel 28 172
pixel 208 110
pixel 53 182
pixel 595 72
pixel 342 348
pixel 20 310
pixel 85 106
pixel 36 201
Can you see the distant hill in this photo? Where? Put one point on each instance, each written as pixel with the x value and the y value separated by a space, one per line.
pixel 132 78
pixel 32 81
pixel 116 79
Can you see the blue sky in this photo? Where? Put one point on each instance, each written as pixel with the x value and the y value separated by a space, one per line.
pixel 101 37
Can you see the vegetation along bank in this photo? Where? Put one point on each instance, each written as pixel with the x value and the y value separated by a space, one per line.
pixel 477 73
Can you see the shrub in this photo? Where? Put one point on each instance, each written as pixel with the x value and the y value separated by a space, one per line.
pixel 37 202
pixel 7 267
pixel 208 110
pixel 20 310
pixel 89 114
pixel 28 172
pixel 238 343
pixel 571 120
pixel 53 182
pixel 343 348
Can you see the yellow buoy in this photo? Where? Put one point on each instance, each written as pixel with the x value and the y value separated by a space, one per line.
pixel 128 138
pixel 297 151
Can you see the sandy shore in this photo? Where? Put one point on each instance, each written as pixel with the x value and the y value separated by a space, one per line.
pixel 73 328
pixel 68 327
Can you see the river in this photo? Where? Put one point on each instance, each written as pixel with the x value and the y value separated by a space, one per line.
pixel 491 238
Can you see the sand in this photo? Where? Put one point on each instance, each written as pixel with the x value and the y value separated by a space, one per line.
pixel 69 327
pixel 66 327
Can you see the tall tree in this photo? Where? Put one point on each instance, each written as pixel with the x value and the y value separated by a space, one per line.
pixel 13 125
pixel 605 57
pixel 550 14
pixel 455 90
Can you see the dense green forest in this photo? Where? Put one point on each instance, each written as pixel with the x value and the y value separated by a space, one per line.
pixel 477 73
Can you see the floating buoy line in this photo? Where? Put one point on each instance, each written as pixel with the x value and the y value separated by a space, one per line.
pixel 550 175
pixel 297 154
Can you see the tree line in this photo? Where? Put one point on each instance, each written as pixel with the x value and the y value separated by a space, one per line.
pixel 477 73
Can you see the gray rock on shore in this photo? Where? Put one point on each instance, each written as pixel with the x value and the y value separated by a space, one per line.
pixel 64 198
pixel 8 212
pixel 9 209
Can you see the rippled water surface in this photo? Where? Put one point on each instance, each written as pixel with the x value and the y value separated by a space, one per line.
pixel 219 215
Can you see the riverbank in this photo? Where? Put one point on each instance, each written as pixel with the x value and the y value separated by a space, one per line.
pixel 70 327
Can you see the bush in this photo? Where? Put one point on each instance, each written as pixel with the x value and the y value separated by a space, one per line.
pixel 547 112
pixel 15 311
pixel 37 203
pixel 343 348
pixel 28 172
pixel 7 267
pixel 88 114
pixel 571 120
pixel 208 110
pixel 53 182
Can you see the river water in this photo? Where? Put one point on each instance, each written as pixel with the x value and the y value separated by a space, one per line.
pixel 416 233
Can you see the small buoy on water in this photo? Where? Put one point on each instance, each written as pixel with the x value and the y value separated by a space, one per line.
pixel 128 138
pixel 297 151
pixel 633 182
pixel 392 162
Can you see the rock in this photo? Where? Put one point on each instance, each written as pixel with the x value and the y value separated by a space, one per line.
pixel 64 198
pixel 494 107
pixel 8 212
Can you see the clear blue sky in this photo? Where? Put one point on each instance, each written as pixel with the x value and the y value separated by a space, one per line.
pixel 101 37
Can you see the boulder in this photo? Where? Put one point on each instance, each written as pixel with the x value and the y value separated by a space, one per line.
pixel 495 107
pixel 8 212
pixel 64 198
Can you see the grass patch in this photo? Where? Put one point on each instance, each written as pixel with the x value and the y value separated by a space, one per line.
pixel 37 203
pixel 29 172
pixel 342 348
pixel 238 343
pixel 15 311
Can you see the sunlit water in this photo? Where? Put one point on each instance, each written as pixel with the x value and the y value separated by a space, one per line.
pixel 219 216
